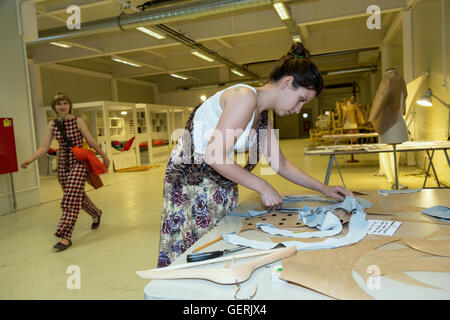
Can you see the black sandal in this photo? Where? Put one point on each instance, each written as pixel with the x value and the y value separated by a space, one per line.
pixel 96 224
pixel 61 246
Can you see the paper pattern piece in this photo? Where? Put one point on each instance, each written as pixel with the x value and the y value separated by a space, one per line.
pixel 278 219
pixel 312 269
pixel 399 261
pixel 434 247
pixel 383 227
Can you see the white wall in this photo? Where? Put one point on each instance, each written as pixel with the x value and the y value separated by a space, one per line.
pixel 16 103
pixel 432 123
pixel 135 93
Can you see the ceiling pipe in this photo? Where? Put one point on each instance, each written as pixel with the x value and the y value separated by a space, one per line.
pixel 160 15
pixel 195 45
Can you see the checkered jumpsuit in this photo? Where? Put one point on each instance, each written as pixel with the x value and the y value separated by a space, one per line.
pixel 72 176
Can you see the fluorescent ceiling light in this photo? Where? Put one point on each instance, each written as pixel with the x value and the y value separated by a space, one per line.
pixel 151 33
pixel 237 73
pixel 202 56
pixel 123 112
pixel 178 76
pixel 125 62
pixel 281 10
pixel 60 44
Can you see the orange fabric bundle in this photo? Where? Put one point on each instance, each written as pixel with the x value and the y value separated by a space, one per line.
pixel 88 156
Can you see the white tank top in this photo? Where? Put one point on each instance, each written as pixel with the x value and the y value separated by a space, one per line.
pixel 205 121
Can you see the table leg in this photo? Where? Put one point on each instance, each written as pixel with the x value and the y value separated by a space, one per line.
pixel 330 167
pixel 339 170
pixel 446 155
pixel 428 170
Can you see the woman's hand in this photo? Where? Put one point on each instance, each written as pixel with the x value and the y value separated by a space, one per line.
pixel 25 164
pixel 270 197
pixel 106 162
pixel 336 192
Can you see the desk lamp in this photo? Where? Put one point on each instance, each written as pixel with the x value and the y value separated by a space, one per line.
pixel 425 101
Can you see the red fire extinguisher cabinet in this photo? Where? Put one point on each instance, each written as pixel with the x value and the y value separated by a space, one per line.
pixel 8 157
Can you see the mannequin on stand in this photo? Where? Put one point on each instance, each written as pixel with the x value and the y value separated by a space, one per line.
pixel 351 116
pixel 386 116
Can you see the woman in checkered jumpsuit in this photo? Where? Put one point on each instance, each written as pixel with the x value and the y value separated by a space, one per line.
pixel 72 174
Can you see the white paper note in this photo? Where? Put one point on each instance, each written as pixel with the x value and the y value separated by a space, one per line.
pixel 383 227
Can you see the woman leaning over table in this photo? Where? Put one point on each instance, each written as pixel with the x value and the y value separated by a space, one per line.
pixel 201 181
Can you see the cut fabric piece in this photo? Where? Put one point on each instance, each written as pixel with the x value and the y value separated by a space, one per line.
pixel 442 212
pixel 348 204
pixel 311 269
pixel 358 228
pixel 322 219
pixel 302 198
pixel 388 192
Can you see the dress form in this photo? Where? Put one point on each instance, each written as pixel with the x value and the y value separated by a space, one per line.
pixel 396 133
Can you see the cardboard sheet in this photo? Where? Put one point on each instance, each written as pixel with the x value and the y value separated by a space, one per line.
pixel 404 278
pixel 359 265
pixel 278 219
pixel 434 247
pixel 399 261
pixel 330 271
pixel 443 231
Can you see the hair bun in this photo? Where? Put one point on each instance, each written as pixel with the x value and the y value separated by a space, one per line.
pixel 298 50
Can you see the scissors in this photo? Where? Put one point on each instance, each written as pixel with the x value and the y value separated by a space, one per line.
pixel 200 256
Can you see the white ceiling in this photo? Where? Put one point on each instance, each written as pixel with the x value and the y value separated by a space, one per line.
pixel 253 38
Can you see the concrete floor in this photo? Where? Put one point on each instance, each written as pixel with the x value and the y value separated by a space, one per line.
pixel 128 237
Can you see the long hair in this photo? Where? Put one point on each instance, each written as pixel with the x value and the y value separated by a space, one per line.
pixel 296 63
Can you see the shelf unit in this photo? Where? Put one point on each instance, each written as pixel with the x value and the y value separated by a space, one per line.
pixel 162 122
pixel 145 122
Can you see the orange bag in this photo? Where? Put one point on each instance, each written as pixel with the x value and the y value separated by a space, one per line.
pixel 94 166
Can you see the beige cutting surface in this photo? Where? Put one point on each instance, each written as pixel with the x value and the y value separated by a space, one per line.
pixel 434 247
pixel 330 271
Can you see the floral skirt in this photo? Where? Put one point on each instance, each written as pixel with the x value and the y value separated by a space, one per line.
pixel 189 211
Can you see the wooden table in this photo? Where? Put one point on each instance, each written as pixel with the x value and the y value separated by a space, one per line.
pixel 417 225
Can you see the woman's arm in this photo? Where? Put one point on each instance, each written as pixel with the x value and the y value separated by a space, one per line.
pixel 290 172
pixel 91 141
pixel 43 148
pixel 238 107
